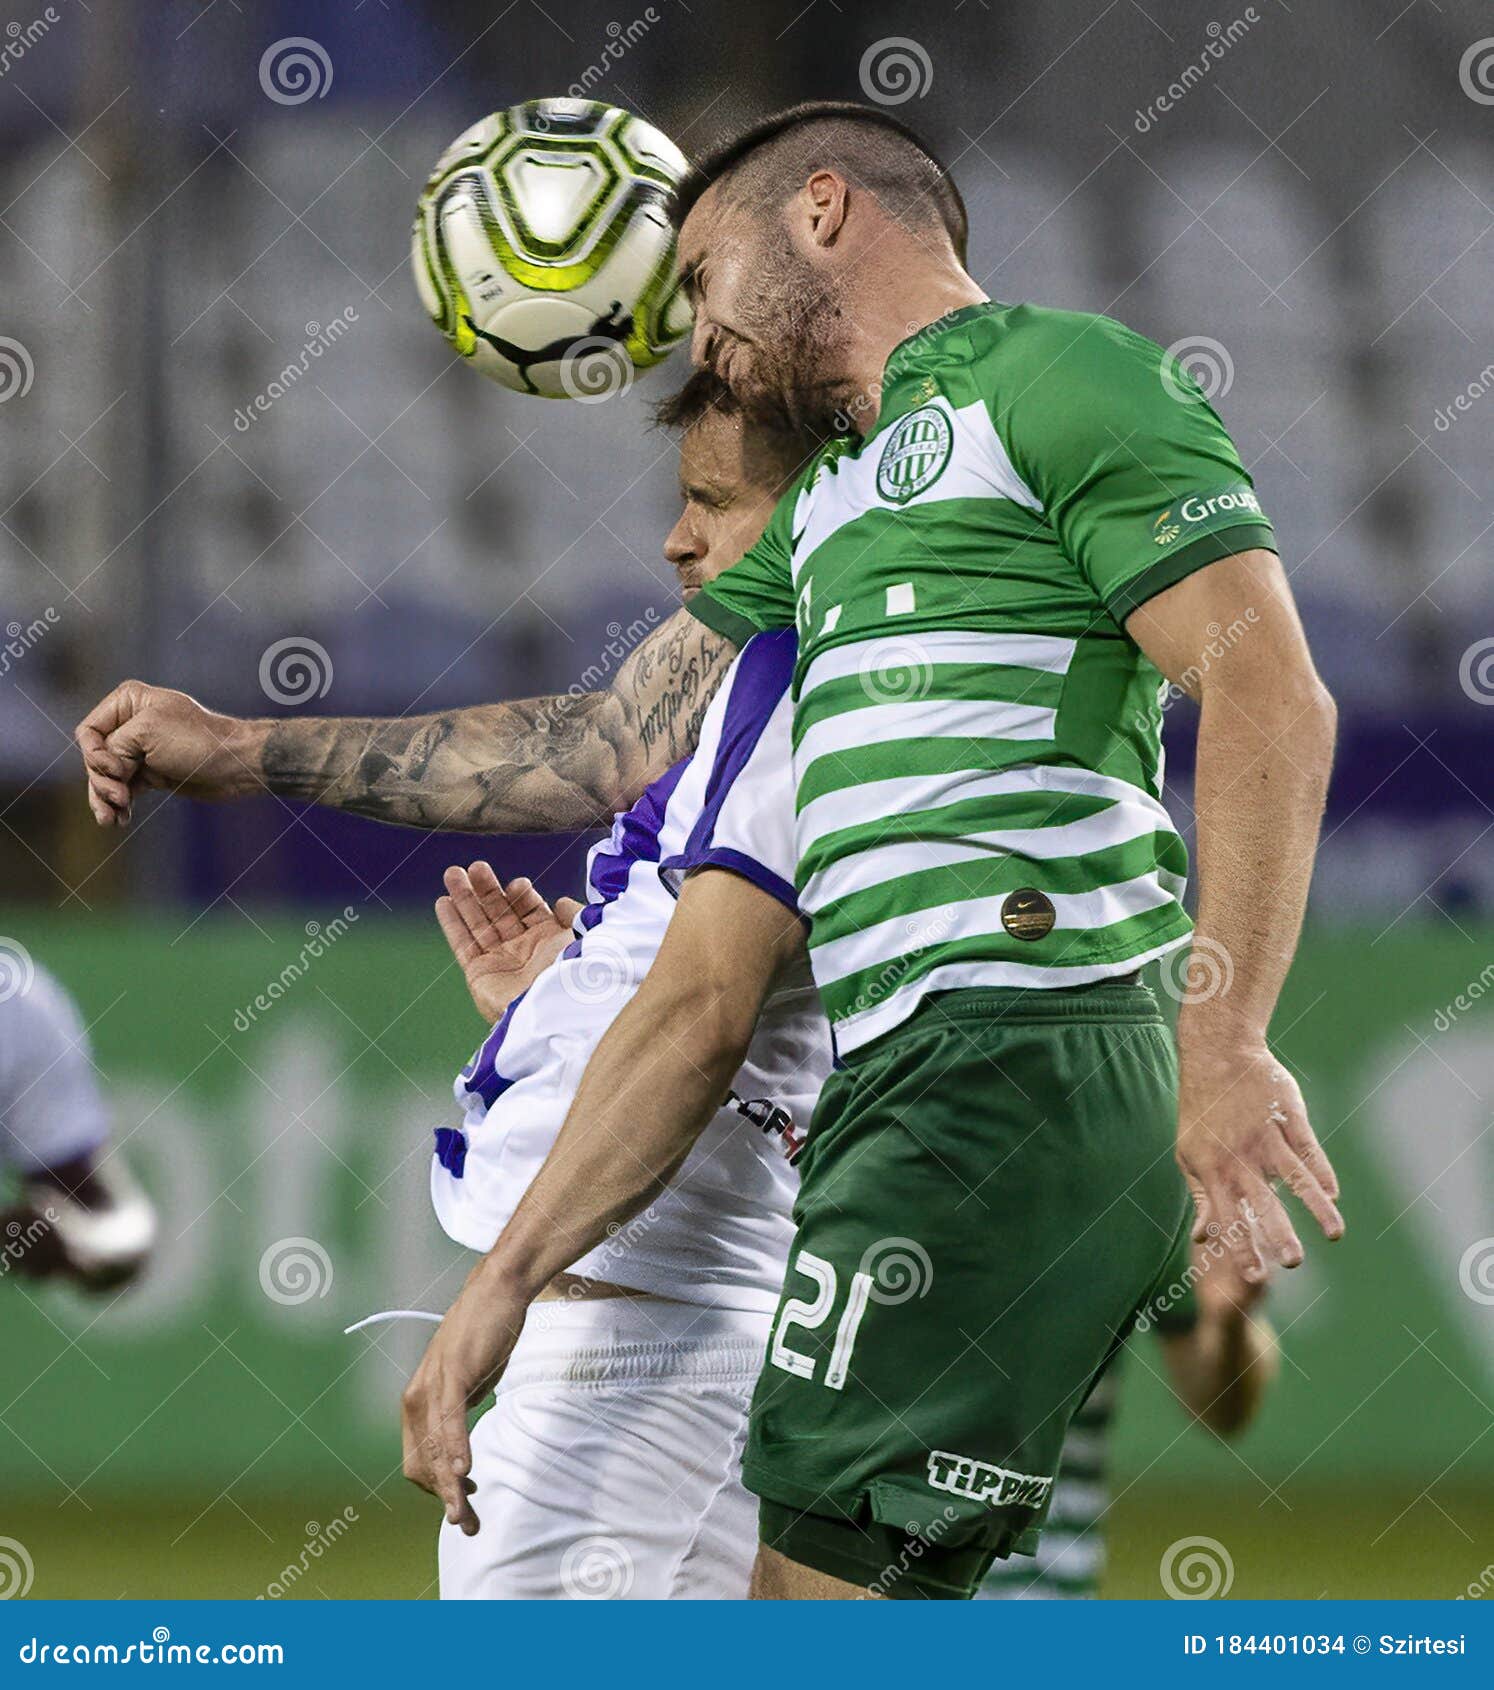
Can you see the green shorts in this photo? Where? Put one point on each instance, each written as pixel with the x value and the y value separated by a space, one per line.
pixel 988 1196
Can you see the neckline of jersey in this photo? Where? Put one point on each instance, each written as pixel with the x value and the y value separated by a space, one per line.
pixel 909 353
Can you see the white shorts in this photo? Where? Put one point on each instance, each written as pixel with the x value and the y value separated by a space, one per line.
pixel 610 1462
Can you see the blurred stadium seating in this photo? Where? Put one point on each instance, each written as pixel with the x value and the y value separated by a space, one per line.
pixel 171 241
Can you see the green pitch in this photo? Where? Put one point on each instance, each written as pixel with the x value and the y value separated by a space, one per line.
pixel 1323 1545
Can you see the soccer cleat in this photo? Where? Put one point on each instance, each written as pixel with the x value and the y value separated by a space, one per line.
pixel 89 1222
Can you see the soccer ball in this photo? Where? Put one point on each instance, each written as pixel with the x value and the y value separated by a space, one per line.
pixel 543 249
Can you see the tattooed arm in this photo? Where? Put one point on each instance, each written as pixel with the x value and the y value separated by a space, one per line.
pixel 539 765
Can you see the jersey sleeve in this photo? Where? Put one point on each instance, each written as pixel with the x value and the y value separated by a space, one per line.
pixel 1134 470
pixel 756 593
pixel 746 823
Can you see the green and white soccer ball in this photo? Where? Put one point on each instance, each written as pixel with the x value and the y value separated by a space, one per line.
pixel 543 249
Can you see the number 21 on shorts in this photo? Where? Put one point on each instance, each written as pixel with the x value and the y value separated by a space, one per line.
pixel 812 1313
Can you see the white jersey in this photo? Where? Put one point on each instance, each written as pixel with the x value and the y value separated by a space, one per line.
pixel 51 1111
pixel 720 1234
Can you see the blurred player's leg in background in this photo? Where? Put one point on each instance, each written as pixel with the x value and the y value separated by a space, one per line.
pixel 69 1206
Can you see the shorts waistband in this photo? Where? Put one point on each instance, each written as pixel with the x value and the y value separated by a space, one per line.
pixel 1124 999
pixel 635 1338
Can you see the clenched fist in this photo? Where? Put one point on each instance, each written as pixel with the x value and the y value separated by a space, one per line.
pixel 142 736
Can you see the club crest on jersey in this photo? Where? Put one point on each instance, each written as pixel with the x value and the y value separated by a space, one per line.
pixel 916 452
pixel 983 1481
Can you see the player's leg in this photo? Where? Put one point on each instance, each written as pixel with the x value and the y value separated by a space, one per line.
pixel 83 1219
pixel 777 1579
pixel 609 1464
pixel 987 1197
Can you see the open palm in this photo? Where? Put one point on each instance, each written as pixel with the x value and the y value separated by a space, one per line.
pixel 504 937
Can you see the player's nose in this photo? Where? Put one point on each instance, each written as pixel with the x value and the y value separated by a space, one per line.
pixel 680 544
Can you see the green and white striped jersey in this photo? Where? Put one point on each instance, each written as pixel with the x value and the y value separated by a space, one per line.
pixel 977 741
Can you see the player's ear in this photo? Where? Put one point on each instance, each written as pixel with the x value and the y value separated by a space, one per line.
pixel 823 199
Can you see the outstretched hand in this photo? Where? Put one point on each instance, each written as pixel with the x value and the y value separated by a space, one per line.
pixel 504 937
pixel 1242 1128
pixel 461 1365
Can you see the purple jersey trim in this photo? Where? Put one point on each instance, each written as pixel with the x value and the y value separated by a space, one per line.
pixel 763 673
pixel 637 841
pixel 722 856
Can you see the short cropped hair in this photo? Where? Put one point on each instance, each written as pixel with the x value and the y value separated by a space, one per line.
pixel 787 446
pixel 868 146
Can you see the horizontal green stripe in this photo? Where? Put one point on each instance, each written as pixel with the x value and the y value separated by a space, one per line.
pixel 992 877
pixel 1095 946
pixel 913 683
pixel 1005 812
pixel 836 770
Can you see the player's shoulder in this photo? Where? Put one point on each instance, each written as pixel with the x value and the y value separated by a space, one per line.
pixel 760 673
pixel 1012 342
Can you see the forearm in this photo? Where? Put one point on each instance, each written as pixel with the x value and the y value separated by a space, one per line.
pixel 1264 756
pixel 554 764
pixel 538 765
pixel 656 1079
